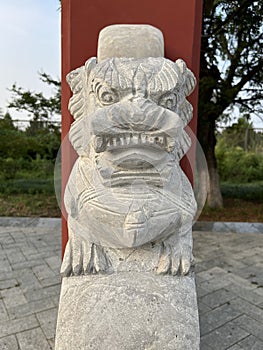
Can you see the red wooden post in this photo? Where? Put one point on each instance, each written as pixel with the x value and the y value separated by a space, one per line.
pixel 82 20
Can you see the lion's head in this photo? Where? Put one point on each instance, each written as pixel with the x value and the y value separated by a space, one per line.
pixel 129 132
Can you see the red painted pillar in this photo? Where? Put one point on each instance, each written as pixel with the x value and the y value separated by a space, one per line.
pixel 82 20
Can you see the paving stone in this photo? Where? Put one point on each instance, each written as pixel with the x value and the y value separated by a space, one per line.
pixel 203 308
pixel 4 264
pixel 41 255
pixel 235 347
pixel 7 275
pixel 18 236
pixel 9 343
pixel 28 250
pixel 247 294
pixel 28 281
pixel 18 325
pixel 249 309
pixel 205 346
pixel 3 312
pixel 225 266
pixel 201 291
pixel 43 272
pixel 251 343
pixel 232 278
pixel 215 272
pixel 53 290
pixel 38 242
pixel 27 264
pixel 54 262
pixel 15 255
pixel 47 320
pixel 250 325
pixel 214 284
pixel 31 308
pixel 217 298
pixel 217 317
pixel 252 259
pixel 33 339
pixel 8 283
pixel 13 297
pixel 51 281
pixel 6 239
pixel 225 336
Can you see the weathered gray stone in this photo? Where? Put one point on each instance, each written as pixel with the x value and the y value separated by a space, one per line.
pixel 137 41
pixel 128 261
pixel 128 311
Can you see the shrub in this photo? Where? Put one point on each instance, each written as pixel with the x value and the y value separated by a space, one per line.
pixel 243 191
pixel 238 166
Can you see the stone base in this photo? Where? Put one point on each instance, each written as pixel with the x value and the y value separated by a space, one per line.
pixel 128 311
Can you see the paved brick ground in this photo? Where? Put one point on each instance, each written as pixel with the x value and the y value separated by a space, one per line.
pixel 229 274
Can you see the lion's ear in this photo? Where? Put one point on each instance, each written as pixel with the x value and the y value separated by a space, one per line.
pixel 78 104
pixel 188 77
pixel 77 80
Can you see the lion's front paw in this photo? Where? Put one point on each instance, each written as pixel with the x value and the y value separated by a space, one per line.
pixel 175 260
pixel 83 257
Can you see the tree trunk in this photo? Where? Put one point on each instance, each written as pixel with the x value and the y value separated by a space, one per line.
pixel 207 139
pixel 214 196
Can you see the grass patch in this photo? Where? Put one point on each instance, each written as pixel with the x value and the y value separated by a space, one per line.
pixel 235 209
pixel 25 204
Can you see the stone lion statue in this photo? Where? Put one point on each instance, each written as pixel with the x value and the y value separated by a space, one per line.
pixel 130 206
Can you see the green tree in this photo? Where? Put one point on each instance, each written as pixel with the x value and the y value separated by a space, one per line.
pixel 39 107
pixel 240 134
pixel 231 72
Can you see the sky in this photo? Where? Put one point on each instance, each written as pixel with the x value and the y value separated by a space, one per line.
pixel 29 43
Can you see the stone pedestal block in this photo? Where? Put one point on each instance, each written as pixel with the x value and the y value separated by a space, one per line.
pixel 128 311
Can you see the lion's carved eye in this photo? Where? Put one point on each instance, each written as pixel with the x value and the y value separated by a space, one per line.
pixel 168 101
pixel 105 94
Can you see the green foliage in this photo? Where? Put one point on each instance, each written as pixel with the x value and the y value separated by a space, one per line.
pixel 251 192
pixel 231 72
pixel 231 66
pixel 237 153
pixel 27 186
pixel 237 165
pixel 41 108
pixel 23 155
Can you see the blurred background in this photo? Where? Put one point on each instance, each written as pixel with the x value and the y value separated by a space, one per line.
pixel 230 124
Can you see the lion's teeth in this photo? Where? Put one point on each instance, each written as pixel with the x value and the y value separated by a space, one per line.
pixel 122 141
pixel 135 139
pixel 143 138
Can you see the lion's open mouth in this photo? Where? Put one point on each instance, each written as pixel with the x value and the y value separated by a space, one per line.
pixel 124 140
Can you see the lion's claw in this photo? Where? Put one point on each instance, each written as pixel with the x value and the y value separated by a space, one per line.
pixel 175 261
pixel 82 257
